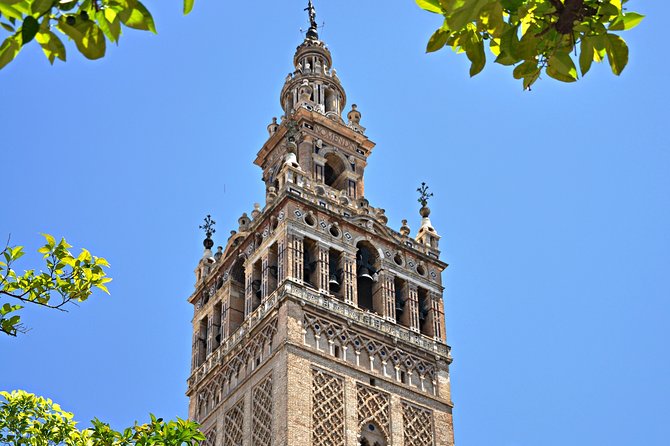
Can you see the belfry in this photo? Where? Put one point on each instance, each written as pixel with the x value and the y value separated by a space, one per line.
pixel 317 324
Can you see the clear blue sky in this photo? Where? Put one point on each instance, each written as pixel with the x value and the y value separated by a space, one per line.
pixel 554 208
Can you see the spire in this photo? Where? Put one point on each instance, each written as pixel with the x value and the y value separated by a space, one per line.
pixel 208 243
pixel 427 234
pixel 314 84
pixel 312 33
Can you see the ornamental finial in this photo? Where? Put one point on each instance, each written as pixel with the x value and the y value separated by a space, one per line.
pixel 424 195
pixel 208 227
pixel 312 32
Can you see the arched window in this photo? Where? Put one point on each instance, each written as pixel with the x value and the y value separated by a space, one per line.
pixel 333 170
pixel 310 263
pixel 372 435
pixel 236 302
pixel 367 266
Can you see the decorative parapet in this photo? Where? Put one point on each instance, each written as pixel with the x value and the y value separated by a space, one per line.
pixel 218 356
pixel 354 314
pixel 349 312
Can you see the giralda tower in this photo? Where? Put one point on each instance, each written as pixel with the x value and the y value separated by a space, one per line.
pixel 317 324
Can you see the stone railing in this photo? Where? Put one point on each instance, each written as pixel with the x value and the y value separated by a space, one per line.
pixel 298 291
pixel 250 323
pixel 365 318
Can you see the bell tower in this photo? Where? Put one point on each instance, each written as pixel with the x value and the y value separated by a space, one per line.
pixel 317 324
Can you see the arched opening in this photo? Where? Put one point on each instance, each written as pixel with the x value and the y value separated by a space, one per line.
pixel 425 313
pixel 400 287
pixel 256 285
pixel 333 172
pixel 273 267
pixel 310 263
pixel 203 334
pixel 236 302
pixel 216 326
pixel 372 435
pixel 367 266
pixel 335 273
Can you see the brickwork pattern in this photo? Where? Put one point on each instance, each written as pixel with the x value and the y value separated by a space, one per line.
pixel 234 426
pixel 262 413
pixel 374 407
pixel 418 425
pixel 328 409
pixel 210 438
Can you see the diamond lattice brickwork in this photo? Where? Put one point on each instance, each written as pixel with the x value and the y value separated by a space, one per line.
pixel 374 407
pixel 262 413
pixel 328 409
pixel 418 425
pixel 234 426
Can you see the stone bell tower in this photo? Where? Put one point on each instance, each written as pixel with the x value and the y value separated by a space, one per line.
pixel 317 324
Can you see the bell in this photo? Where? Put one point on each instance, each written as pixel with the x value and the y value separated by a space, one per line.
pixel 333 284
pixel 364 273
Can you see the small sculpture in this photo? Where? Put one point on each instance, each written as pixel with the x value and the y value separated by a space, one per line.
pixel 312 14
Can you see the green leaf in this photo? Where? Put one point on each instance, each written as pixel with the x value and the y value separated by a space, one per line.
pixel 9 49
pixel 492 19
pixel 8 27
pixel 111 28
pixel 10 11
pixel 586 55
pixel 474 49
pixel 468 12
pixel 428 5
pixel 188 6
pixel 561 67
pixel 626 22
pixel 65 5
pixel 29 29
pixel 617 53
pixel 53 48
pixel 39 7
pixel 509 44
pixel 437 40
pixel 88 37
pixel 525 69
pixel 138 17
pixel 51 240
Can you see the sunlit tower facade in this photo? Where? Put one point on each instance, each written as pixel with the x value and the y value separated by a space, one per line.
pixel 317 324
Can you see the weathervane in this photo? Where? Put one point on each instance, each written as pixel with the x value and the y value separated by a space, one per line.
pixel 209 231
pixel 424 195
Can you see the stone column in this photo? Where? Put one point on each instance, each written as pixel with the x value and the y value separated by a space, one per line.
pixel 210 333
pixel 433 317
pixel 348 262
pixel 412 306
pixel 265 274
pixel 248 290
pixel 281 259
pixel 319 166
pixel 295 257
pixel 387 286
pixel 439 318
pixel 305 150
pixel 224 317
pixel 323 274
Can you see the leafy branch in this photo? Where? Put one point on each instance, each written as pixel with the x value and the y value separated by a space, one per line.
pixel 67 279
pixel 26 418
pixel 89 23
pixel 535 36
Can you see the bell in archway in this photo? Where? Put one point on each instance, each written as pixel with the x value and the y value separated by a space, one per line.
pixel 364 273
pixel 333 283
